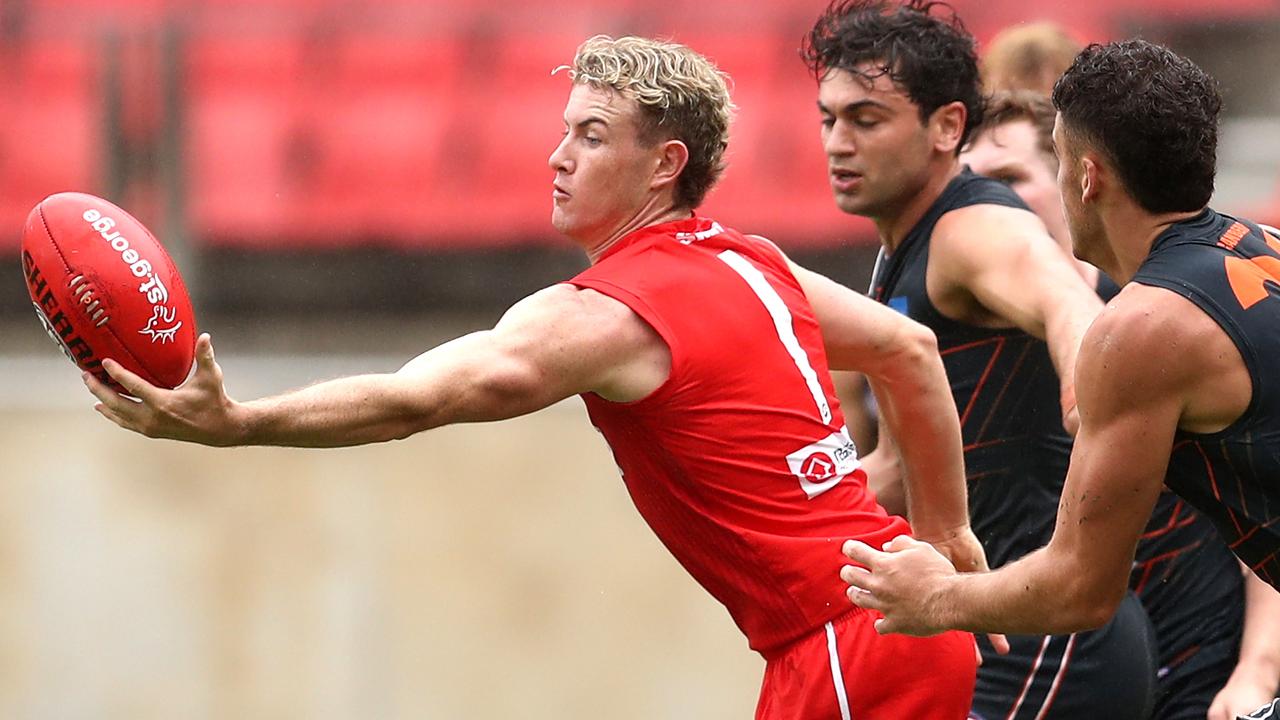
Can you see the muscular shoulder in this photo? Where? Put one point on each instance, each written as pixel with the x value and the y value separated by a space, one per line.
pixel 599 336
pixel 970 231
pixel 996 266
pixel 571 313
pixel 1151 343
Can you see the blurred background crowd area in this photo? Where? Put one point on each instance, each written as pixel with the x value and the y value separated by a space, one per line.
pixel 393 154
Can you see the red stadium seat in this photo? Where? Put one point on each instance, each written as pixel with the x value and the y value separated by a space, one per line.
pixel 51 139
pixel 246 123
pixel 390 111
pixel 517 121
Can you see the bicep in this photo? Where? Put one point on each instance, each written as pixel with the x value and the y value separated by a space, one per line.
pixel 1116 473
pixel 1005 259
pixel 858 332
pixel 548 347
pixel 1129 416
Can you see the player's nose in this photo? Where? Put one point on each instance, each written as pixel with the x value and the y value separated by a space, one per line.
pixel 559 159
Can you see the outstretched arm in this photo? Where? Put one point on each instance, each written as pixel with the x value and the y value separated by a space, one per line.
pixel 554 344
pixel 1006 260
pixel 1131 399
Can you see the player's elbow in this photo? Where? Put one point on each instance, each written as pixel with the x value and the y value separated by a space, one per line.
pixel 912 357
pixel 1090 601
pixel 1093 613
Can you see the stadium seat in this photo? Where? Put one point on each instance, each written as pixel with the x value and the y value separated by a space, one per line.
pixel 51 140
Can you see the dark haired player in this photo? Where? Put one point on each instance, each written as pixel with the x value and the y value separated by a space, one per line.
pixel 1176 374
pixel 1188 580
pixel 899 95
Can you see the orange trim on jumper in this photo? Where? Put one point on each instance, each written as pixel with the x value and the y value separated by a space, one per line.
pixel 1249 277
pixel 1233 235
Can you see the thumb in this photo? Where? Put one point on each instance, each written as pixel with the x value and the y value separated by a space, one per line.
pixel 884 626
pixel 206 369
pixel 204 350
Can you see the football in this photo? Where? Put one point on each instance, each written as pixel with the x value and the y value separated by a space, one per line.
pixel 104 287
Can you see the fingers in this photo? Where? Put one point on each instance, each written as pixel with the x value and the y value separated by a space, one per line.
pixel 105 395
pixel 999 642
pixel 862 553
pixel 112 415
pixel 859 590
pixel 856 576
pixel 204 353
pixel 885 626
pixel 206 371
pixel 132 384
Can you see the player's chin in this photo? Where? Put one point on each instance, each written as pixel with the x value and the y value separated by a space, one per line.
pixel 560 219
pixel 852 203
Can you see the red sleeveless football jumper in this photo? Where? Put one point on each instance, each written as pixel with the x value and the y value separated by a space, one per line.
pixel 740 461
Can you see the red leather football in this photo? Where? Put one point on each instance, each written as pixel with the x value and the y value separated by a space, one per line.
pixel 105 288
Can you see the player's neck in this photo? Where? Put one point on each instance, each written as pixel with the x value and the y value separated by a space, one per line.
pixel 894 226
pixel 1131 231
pixel 655 212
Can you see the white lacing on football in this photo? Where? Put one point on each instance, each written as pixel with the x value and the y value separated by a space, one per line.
pixel 83 290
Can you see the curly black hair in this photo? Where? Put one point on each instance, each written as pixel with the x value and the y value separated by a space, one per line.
pixel 1153 113
pixel 932 58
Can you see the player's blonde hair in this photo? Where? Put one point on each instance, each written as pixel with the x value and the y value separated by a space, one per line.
pixel 1028 57
pixel 681 95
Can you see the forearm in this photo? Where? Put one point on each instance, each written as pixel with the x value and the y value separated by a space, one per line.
pixel 1065 325
pixel 459 381
pixel 915 402
pixel 1038 594
pixel 1260 642
pixel 337 413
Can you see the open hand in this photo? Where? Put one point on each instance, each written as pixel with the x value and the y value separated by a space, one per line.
pixel 904 581
pixel 900 582
pixel 196 411
pixel 965 553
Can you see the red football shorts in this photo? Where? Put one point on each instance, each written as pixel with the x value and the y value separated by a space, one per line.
pixel 847 671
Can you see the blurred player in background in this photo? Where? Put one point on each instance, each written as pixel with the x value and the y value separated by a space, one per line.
pixel 699 355
pixel 1028 57
pixel 1191 585
pixel 899 96
pixel 1175 376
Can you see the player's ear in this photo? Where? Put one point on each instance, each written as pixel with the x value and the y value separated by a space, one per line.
pixel 673 156
pixel 947 126
pixel 1090 178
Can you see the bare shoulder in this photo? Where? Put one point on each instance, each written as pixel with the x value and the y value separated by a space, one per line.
pixel 1144 317
pixel 596 337
pixel 566 310
pixel 1151 342
pixel 986 224
pixel 1141 326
